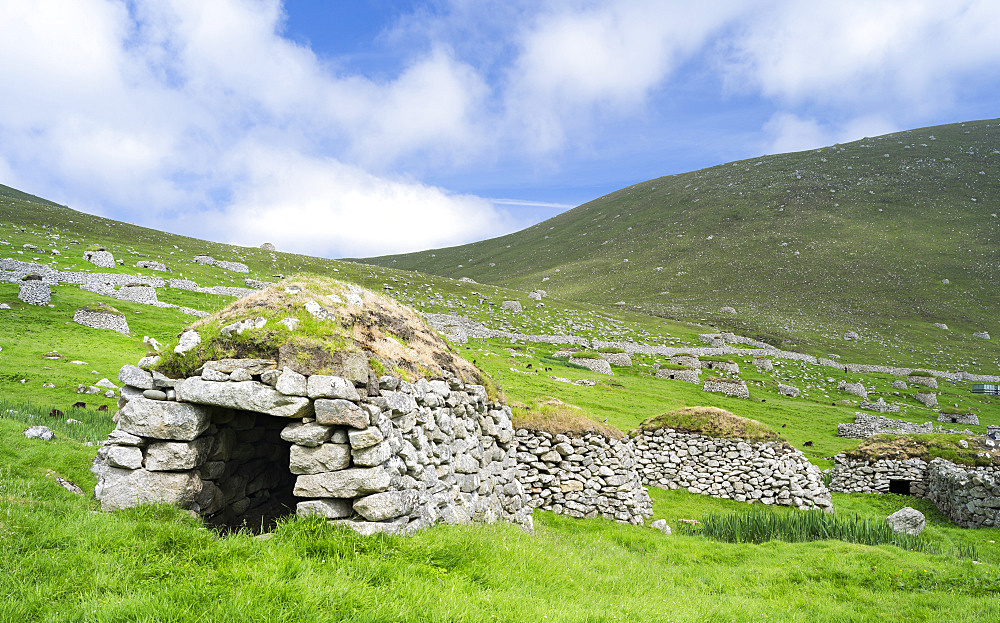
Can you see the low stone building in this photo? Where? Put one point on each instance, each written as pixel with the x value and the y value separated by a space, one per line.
pixel 769 472
pixel 618 359
pixel 923 379
pixel 903 476
pixel 736 388
pixel 858 389
pixel 688 375
pixel 880 405
pixel 102 316
pixel 970 497
pixel 788 390
pixel 928 399
pixel 595 364
pixel 243 441
pixel 514 306
pixel 100 258
pixel 582 476
pixel 725 366
pixel 959 418
pixel 33 291
pixel 686 360
pixel 763 364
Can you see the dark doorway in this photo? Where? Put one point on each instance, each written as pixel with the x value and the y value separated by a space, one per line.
pixel 250 467
pixel 901 487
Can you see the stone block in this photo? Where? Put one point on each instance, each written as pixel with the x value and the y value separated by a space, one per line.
pixel 163 420
pixel 121 488
pixel 245 396
pixel 340 412
pixel 386 505
pixel 348 483
pixel 162 456
pixel 330 508
pixel 327 457
pixel 308 434
pixel 323 386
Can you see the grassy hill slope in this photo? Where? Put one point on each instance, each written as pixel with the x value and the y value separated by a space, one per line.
pixel 806 246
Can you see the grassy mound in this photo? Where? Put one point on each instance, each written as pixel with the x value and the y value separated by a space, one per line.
pixel 553 416
pixel 925 447
pixel 712 422
pixel 922 373
pixel 333 322
pixel 100 308
pixel 586 354
pixel 609 350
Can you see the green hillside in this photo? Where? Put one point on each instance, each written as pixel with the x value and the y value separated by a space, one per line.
pixel 805 246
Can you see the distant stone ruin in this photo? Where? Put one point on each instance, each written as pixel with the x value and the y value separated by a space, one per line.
pixel 101 316
pixel 736 388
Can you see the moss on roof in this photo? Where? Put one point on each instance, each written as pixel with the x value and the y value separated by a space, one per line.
pixel 711 422
pixel 333 320
pixel 925 447
pixel 100 308
pixel 556 417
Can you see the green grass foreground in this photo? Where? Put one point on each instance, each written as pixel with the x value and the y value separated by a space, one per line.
pixel 61 561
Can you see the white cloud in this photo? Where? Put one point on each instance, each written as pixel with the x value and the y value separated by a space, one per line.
pixel 857 53
pixel 310 205
pixel 607 55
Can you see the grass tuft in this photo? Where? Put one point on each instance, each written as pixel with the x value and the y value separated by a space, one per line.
pixel 712 422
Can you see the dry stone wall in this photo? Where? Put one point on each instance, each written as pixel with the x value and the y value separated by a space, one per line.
pixel 586 476
pixel 375 455
pixel 735 388
pixel 969 497
pixel 766 472
pixel 861 476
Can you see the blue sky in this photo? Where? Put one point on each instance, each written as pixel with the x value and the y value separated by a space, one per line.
pixel 362 128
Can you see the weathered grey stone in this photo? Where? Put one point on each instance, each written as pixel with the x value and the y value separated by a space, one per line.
pixel 188 340
pixel 661 525
pixel 253 366
pixel 339 412
pixel 136 377
pixel 240 374
pixel 154 394
pixel 386 505
pixel 364 438
pixel 327 457
pixel 330 508
pixel 347 483
pixel 162 456
pixel 163 420
pixel 125 457
pixel 514 306
pixel 121 488
pixel 214 375
pixel 324 386
pixel 240 326
pixel 400 402
pixel 907 520
pixel 372 455
pixel 309 434
pixel 291 383
pixel 245 395
pixel 788 390
pixel 39 432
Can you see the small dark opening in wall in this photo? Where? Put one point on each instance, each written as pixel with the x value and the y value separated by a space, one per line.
pixel 902 487
pixel 954 420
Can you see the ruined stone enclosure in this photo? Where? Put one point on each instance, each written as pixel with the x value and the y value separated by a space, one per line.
pixel 352 409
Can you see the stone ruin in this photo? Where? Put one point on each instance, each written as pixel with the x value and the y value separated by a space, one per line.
pixel 208 260
pixel 735 388
pixel 582 476
pixel 688 375
pixel 102 316
pixel 865 425
pixel 100 258
pixel 245 441
pixel 33 290
pixel 880 406
pixel 766 472
pixel 959 418
pixel 255 443
pixel 600 366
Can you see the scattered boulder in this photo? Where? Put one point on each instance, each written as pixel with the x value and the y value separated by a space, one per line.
pixel 100 258
pixel 189 339
pixel 899 385
pixel 151 265
pixel 851 335
pixel 267 246
pixel 39 432
pixel 727 310
pixel 941 325
pixel 788 390
pixel 661 525
pixel 983 335
pixel 858 389
pixel 514 306
pixel 907 520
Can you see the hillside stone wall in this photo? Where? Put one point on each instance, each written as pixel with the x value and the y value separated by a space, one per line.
pixel 599 366
pixel 970 497
pixel 865 425
pixel 770 473
pixel 583 477
pixel 690 375
pixel 382 455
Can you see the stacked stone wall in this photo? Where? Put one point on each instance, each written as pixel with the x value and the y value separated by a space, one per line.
pixel 970 497
pixel 34 292
pixel 766 472
pixel 375 455
pixel 735 388
pixel 586 476
pixel 862 476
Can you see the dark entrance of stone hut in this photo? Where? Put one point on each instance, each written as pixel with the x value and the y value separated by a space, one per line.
pixel 249 464
pixel 901 487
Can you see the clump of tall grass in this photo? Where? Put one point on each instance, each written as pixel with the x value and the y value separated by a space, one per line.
pixel 758 526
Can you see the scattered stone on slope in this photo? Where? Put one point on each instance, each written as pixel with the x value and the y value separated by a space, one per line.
pixel 907 520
